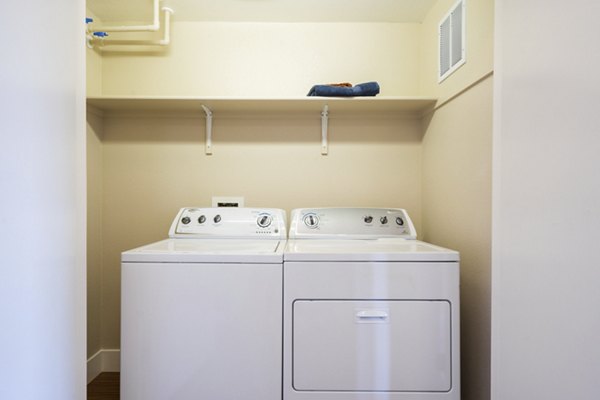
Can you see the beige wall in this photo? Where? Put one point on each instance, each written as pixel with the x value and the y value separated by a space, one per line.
pixel 457 214
pixel 155 165
pixel 269 59
pixel 93 66
pixel 94 232
pixel 94 202
pixel 479 49
pixel 456 202
pixel 152 165
pixel 260 60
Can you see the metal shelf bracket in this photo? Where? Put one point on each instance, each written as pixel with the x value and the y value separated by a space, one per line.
pixel 208 148
pixel 324 129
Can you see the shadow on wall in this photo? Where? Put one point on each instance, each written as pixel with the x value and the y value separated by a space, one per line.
pixel 257 129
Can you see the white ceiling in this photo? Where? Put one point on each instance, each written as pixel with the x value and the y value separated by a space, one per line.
pixel 267 10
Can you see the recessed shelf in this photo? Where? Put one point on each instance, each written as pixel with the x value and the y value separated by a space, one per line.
pixel 317 106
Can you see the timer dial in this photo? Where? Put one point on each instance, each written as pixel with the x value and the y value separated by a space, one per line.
pixel 264 220
pixel 311 220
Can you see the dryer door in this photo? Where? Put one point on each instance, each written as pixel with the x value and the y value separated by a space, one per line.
pixel 372 345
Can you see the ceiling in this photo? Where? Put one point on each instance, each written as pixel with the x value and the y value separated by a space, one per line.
pixel 267 10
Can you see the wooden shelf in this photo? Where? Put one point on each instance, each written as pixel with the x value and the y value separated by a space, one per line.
pixel 111 104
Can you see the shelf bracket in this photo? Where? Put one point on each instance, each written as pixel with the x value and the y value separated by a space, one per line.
pixel 208 147
pixel 324 129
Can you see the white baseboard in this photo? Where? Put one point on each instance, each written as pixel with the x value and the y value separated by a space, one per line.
pixel 105 360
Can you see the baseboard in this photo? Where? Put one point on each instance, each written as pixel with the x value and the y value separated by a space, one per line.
pixel 105 360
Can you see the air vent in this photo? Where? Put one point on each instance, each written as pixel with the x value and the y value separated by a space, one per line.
pixel 452 41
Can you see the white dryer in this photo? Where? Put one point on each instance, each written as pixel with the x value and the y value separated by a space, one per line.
pixel 201 311
pixel 370 313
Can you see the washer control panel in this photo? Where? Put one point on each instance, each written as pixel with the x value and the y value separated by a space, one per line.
pixel 225 222
pixel 347 223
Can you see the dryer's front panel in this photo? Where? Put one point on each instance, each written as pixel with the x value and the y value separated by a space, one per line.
pixel 371 331
pixel 350 345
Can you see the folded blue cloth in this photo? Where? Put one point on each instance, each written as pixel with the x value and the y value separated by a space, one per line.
pixel 362 89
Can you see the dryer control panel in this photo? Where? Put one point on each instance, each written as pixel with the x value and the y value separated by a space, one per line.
pixel 226 222
pixel 351 223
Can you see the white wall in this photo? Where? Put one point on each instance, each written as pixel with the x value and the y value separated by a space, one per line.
pixel 546 275
pixel 42 213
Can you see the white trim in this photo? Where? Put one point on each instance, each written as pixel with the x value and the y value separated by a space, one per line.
pixel 94 366
pixel 105 360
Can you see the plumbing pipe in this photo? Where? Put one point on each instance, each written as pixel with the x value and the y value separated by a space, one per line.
pixel 134 28
pixel 165 41
pixel 89 38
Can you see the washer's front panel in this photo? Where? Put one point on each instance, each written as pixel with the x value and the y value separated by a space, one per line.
pixel 201 331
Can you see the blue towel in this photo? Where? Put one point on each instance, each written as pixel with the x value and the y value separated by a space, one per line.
pixel 362 89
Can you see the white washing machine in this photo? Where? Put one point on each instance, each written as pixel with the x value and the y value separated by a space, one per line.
pixel 201 314
pixel 370 313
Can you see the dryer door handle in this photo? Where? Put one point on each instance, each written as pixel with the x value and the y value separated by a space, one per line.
pixel 372 316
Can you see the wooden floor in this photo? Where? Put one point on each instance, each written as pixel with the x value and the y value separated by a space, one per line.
pixel 104 387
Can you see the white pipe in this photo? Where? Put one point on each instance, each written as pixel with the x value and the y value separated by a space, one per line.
pixel 133 28
pixel 165 41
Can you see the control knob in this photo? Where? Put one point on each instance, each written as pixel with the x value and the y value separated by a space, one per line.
pixel 264 220
pixel 368 219
pixel 217 219
pixel 202 219
pixel 185 220
pixel 383 220
pixel 311 220
pixel 399 221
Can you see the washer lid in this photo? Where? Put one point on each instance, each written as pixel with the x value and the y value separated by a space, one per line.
pixel 385 249
pixel 208 251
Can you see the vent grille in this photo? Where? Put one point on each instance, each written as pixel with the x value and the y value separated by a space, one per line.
pixel 445 47
pixel 452 41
